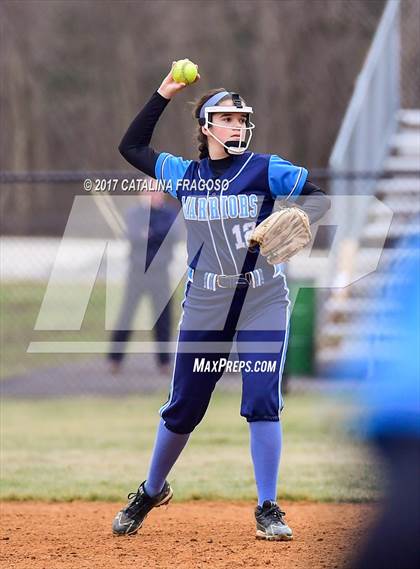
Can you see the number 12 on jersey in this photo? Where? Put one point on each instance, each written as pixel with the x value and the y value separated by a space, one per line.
pixel 243 233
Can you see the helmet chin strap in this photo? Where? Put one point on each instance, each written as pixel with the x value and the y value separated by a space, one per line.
pixel 234 147
pixel 234 150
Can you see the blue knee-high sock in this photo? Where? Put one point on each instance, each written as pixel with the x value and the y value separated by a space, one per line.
pixel 168 447
pixel 266 439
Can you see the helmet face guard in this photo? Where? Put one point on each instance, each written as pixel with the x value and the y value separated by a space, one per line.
pixel 234 147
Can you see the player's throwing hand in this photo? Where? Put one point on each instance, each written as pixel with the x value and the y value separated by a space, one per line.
pixel 169 87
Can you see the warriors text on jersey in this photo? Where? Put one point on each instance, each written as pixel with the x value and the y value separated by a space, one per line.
pixel 220 218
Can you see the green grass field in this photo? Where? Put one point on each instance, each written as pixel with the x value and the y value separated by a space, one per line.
pixel 19 306
pixel 99 449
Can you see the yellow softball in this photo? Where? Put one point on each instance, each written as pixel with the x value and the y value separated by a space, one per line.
pixel 184 71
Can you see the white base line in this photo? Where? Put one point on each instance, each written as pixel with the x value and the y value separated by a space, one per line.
pixel 54 347
pixel 68 347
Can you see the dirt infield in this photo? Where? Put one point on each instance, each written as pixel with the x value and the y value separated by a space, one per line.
pixel 193 535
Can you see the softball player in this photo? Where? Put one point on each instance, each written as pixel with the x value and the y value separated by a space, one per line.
pixel 231 292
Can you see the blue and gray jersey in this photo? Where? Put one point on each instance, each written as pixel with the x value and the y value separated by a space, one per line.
pixel 221 212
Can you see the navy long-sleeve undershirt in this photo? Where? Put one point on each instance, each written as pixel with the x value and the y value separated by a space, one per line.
pixel 135 148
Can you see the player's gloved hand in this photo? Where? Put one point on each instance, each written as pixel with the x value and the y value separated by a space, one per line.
pixel 282 235
pixel 169 87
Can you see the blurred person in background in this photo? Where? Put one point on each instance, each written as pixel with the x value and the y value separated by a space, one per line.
pixel 392 413
pixel 144 234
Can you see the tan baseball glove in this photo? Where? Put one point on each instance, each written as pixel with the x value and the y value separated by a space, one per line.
pixel 282 234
